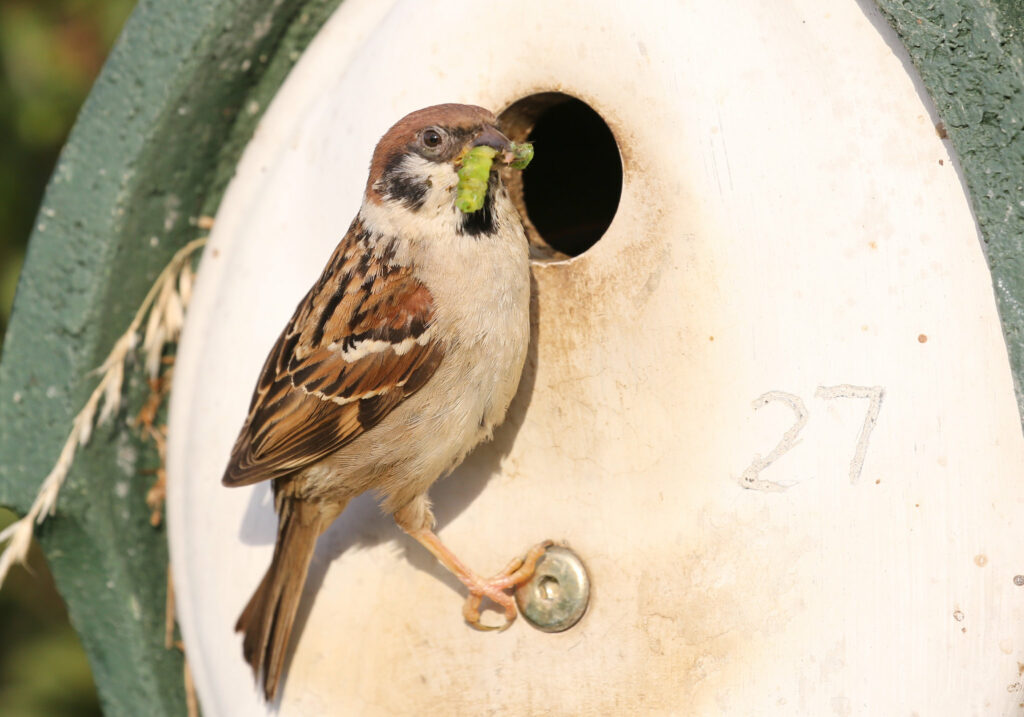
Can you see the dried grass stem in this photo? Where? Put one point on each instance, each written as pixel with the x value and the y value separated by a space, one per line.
pixel 165 305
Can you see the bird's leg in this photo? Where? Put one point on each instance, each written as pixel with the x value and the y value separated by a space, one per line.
pixel 517 572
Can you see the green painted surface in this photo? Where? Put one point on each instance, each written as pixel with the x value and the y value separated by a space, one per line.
pixel 155 146
pixel 152 149
pixel 971 58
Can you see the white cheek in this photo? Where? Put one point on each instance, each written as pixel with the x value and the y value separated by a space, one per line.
pixel 436 215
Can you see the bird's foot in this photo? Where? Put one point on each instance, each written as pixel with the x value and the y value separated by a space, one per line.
pixel 495 588
pixel 517 572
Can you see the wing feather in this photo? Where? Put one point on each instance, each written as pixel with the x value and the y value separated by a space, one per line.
pixel 358 344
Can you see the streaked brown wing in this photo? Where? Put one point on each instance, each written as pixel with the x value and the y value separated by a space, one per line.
pixel 358 344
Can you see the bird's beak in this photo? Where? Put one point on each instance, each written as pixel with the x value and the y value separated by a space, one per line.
pixel 491 137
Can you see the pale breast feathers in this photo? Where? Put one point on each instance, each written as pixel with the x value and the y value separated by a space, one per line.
pixel 359 343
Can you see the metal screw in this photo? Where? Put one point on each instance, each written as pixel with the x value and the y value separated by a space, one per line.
pixel 556 597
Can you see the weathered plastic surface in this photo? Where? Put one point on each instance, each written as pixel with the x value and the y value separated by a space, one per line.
pixel 970 56
pixel 793 234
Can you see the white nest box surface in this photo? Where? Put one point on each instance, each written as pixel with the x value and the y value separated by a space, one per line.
pixel 771 408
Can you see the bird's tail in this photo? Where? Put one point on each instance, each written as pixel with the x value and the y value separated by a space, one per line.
pixel 267 621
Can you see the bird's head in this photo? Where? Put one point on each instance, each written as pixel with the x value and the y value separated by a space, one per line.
pixel 414 171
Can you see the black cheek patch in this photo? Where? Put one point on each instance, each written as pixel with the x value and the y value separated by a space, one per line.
pixel 408 191
pixel 396 184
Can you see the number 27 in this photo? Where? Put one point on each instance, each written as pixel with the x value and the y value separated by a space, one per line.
pixel 751 476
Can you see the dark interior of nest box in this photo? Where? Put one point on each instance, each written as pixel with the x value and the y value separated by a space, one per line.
pixel 570 192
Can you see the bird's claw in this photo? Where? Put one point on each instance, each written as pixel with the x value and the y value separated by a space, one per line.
pixel 517 572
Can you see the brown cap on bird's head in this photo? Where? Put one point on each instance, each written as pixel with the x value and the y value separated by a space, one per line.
pixel 438 133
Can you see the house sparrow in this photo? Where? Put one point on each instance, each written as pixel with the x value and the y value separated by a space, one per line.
pixel 403 356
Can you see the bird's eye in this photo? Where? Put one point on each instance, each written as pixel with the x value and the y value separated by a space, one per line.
pixel 432 138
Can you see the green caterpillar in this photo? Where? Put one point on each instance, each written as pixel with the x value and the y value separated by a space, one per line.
pixel 523 153
pixel 476 169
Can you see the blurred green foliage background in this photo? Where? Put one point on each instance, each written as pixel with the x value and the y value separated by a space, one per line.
pixel 50 53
